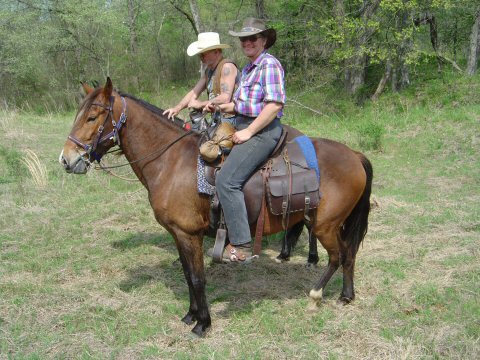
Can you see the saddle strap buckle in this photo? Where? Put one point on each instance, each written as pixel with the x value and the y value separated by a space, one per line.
pixel 307 203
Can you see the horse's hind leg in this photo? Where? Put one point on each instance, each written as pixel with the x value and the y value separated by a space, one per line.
pixel 329 240
pixel 348 255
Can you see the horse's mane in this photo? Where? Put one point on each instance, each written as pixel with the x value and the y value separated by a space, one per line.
pixel 147 105
pixel 152 108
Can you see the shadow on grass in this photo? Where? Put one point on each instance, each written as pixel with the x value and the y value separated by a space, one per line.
pixel 163 241
pixel 237 287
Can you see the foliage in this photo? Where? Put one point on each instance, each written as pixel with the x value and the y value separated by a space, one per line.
pixel 49 46
pixel 371 136
pixel 12 168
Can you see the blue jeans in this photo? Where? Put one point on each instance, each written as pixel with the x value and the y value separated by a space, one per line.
pixel 243 160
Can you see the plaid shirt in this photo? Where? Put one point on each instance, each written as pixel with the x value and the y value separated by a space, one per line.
pixel 262 81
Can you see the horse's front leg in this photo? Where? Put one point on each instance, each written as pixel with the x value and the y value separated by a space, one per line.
pixel 190 250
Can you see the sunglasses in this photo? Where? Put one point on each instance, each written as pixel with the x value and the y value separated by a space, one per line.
pixel 251 38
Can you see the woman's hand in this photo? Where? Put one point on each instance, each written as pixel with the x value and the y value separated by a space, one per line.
pixel 241 136
pixel 211 107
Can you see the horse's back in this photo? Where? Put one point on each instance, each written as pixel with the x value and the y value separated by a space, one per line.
pixel 337 159
pixel 343 177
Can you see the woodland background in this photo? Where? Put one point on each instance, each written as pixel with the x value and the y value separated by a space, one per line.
pixel 358 47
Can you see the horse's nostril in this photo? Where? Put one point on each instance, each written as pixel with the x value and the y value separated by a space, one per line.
pixel 65 164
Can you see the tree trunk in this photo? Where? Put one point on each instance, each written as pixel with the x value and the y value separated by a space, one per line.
pixel 355 67
pixel 430 19
pixel 355 72
pixel 132 17
pixel 383 81
pixel 196 16
pixel 260 8
pixel 405 75
pixel 401 78
pixel 474 45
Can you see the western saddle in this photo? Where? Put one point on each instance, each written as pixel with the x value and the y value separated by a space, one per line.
pixel 285 184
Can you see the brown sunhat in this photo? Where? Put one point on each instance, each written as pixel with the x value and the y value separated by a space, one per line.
pixel 252 26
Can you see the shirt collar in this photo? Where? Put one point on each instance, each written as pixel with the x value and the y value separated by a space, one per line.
pixel 259 58
pixel 251 65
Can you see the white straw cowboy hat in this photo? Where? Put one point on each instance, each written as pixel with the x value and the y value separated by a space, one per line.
pixel 252 26
pixel 206 41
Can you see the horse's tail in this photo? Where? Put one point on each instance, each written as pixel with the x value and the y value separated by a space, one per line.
pixel 356 225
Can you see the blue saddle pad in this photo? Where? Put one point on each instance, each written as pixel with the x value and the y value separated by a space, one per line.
pixel 309 152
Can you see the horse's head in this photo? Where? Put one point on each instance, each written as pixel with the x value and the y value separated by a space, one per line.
pixel 93 130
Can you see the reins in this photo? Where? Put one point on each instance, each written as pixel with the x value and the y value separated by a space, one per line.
pixel 159 151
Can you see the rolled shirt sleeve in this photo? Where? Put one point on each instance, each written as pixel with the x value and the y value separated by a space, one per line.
pixel 274 84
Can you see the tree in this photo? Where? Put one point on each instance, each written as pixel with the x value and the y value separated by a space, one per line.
pixel 132 17
pixel 474 45
pixel 193 16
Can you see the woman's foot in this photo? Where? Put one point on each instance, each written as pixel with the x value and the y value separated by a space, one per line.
pixel 239 253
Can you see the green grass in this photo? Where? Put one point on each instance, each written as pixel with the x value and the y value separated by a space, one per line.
pixel 87 273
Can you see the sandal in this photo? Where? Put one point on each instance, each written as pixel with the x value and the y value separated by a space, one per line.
pixel 240 253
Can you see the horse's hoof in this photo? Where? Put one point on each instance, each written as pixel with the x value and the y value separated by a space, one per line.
pixel 313 305
pixel 310 266
pixel 189 319
pixel 316 294
pixel 280 259
pixel 200 330
pixel 345 300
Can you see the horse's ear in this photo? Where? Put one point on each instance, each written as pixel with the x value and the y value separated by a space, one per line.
pixel 87 88
pixel 107 90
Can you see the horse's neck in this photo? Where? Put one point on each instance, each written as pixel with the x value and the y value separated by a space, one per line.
pixel 145 141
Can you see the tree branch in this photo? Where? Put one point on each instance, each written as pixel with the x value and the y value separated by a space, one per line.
pixel 187 15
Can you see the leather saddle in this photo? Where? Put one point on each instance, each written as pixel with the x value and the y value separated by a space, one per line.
pixel 285 181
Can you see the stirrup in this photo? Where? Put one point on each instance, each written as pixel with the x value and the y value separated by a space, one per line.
pixel 219 246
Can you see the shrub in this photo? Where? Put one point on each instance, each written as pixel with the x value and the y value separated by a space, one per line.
pixel 370 136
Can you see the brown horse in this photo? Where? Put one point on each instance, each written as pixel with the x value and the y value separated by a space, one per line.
pixel 158 148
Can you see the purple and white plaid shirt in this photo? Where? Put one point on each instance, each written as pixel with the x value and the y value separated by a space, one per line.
pixel 262 81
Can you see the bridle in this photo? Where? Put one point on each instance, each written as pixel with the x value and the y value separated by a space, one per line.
pixel 90 149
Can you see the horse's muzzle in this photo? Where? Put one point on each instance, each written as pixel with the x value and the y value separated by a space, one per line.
pixel 77 166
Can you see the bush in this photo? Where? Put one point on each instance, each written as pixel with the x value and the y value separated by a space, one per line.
pixel 370 136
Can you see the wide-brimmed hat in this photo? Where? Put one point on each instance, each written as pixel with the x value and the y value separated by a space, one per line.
pixel 252 26
pixel 206 41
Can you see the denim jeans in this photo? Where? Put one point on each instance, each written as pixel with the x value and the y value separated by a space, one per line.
pixel 243 160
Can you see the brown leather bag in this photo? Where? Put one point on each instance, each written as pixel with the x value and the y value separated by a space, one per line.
pixel 212 149
pixel 292 193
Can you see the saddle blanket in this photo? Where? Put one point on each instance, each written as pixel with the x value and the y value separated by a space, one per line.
pixel 309 152
pixel 204 187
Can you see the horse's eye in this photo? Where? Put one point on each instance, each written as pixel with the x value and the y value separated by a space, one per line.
pixel 92 118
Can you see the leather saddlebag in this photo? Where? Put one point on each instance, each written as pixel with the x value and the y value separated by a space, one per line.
pixel 288 194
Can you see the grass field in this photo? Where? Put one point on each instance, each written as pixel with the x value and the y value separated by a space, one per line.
pixel 85 271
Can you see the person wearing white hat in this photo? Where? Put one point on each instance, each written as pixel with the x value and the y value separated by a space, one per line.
pixel 220 78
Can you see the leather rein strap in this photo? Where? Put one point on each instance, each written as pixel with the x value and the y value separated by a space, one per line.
pixel 257 244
